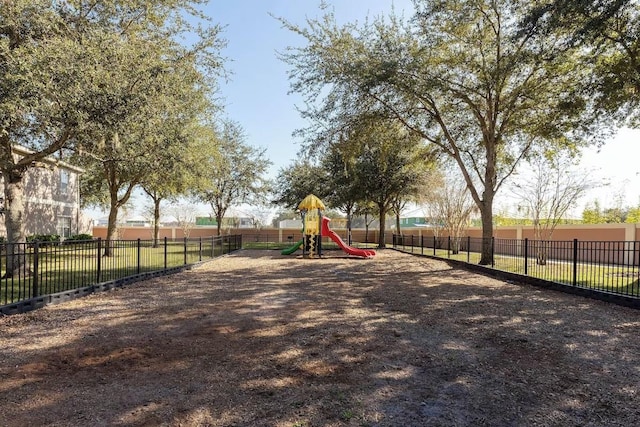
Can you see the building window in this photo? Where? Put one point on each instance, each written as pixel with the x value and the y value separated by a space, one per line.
pixel 64 226
pixel 64 180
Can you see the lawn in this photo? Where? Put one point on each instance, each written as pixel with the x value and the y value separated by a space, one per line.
pixel 66 267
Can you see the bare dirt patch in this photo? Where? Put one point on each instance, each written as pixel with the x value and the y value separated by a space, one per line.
pixel 260 339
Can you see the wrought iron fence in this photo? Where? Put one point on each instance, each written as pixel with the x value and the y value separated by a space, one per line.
pixel 37 273
pixel 611 267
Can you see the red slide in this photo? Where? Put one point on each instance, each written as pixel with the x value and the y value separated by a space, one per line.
pixel 326 231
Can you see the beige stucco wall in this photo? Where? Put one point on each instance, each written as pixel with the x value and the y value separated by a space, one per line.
pixel 46 199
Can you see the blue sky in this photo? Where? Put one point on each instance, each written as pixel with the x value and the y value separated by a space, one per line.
pixel 257 94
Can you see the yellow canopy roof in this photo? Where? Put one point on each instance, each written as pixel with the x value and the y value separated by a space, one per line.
pixel 311 202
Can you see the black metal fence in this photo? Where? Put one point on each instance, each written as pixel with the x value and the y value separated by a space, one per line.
pixel 38 273
pixel 611 267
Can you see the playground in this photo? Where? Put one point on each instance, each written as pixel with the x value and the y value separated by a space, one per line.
pixel 257 338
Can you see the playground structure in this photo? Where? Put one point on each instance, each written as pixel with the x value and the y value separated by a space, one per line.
pixel 314 227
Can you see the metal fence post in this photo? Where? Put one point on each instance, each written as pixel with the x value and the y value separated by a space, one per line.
pixel 165 252
pixel 138 256
pixel 200 249
pixel 468 249
pixel 448 246
pixel 493 252
pixel 421 245
pixel 34 292
pixel 526 256
pixel 575 262
pixel 99 267
pixel 434 245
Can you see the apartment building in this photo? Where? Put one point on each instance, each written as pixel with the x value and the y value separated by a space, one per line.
pixel 52 198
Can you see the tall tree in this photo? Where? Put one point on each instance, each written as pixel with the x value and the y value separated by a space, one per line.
pixel 342 185
pixel 40 102
pixel 388 165
pixel 368 211
pixel 236 174
pixel 147 89
pixel 177 167
pixel 460 74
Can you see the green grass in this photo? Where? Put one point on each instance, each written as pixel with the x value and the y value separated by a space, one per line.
pixel 65 268
pixel 619 279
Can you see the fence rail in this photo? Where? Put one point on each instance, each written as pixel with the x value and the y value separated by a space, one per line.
pixel 611 267
pixel 32 271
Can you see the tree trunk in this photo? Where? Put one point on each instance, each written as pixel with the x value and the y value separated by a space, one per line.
pixel 219 221
pixel 111 229
pixel 14 222
pixel 349 237
pixel 156 221
pixel 366 227
pixel 455 244
pixel 486 214
pixel 398 223
pixel 383 220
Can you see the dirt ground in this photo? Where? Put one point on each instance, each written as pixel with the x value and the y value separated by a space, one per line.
pixel 260 339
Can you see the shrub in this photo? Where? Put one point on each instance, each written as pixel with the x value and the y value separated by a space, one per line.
pixel 44 239
pixel 75 237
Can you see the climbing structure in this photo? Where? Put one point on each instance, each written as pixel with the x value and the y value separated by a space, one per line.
pixel 314 226
pixel 311 210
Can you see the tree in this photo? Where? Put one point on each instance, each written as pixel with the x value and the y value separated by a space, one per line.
pixel 388 165
pixel 185 215
pixel 460 74
pixel 343 190
pixel 633 215
pixel 297 181
pixel 177 168
pixel 146 90
pixel 592 214
pixel 41 102
pixel 546 196
pixel 236 174
pixel 132 146
pixel 450 205
pixel 368 210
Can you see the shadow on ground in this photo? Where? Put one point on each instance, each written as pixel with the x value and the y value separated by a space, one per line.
pixel 259 339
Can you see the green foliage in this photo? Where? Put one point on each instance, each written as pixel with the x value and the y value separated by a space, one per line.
pixel 98 79
pixel 297 181
pixel 44 239
pixel 606 33
pixel 594 214
pixel 458 74
pixel 633 215
pixel 79 237
pixel 235 175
